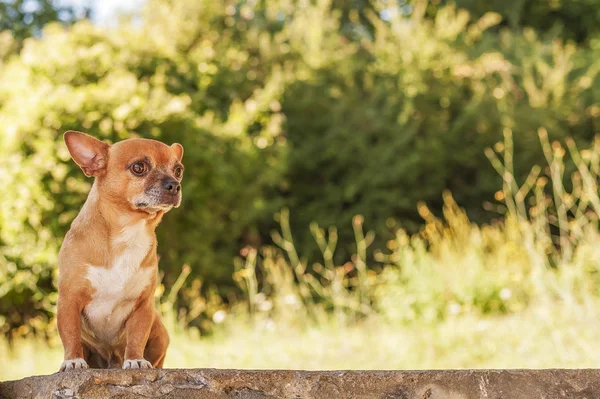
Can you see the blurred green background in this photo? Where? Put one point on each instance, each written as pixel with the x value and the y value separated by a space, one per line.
pixel 299 116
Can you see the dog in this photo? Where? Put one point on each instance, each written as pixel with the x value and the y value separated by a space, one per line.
pixel 108 265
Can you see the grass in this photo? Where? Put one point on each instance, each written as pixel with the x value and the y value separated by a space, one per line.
pixel 563 336
pixel 524 293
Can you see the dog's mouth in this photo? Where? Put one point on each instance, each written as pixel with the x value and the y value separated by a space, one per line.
pixel 154 207
pixel 151 203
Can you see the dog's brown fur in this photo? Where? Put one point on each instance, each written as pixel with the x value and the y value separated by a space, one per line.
pixel 108 262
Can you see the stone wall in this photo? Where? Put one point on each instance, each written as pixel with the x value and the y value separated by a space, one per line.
pixel 213 384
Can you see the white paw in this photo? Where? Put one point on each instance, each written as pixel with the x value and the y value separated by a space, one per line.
pixel 73 364
pixel 137 364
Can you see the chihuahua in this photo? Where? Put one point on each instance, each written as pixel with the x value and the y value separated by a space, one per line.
pixel 108 263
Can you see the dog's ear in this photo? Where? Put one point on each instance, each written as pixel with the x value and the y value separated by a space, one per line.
pixel 88 152
pixel 178 148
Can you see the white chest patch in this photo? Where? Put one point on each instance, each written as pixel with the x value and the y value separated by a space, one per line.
pixel 118 286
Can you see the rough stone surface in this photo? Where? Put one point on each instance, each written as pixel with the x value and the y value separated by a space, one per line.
pixel 265 384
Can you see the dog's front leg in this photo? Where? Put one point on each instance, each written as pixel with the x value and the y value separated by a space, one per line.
pixel 69 328
pixel 137 331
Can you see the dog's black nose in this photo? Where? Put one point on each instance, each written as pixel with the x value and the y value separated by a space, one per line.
pixel 172 186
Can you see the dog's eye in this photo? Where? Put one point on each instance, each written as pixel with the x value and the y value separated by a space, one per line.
pixel 178 172
pixel 138 168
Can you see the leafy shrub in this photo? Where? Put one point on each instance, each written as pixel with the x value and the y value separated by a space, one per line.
pixel 376 129
pixel 119 84
pixel 576 20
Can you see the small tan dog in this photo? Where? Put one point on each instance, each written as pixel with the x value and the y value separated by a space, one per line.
pixel 108 262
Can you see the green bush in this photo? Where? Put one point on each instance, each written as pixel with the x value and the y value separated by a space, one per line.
pixel 119 84
pixel 397 120
pixel 577 20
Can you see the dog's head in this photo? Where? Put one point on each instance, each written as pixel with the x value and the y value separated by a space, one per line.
pixel 140 174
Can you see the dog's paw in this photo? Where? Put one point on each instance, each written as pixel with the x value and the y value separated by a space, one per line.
pixel 73 364
pixel 137 364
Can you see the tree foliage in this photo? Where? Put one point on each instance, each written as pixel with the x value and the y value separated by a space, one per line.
pixel 26 18
pixel 577 20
